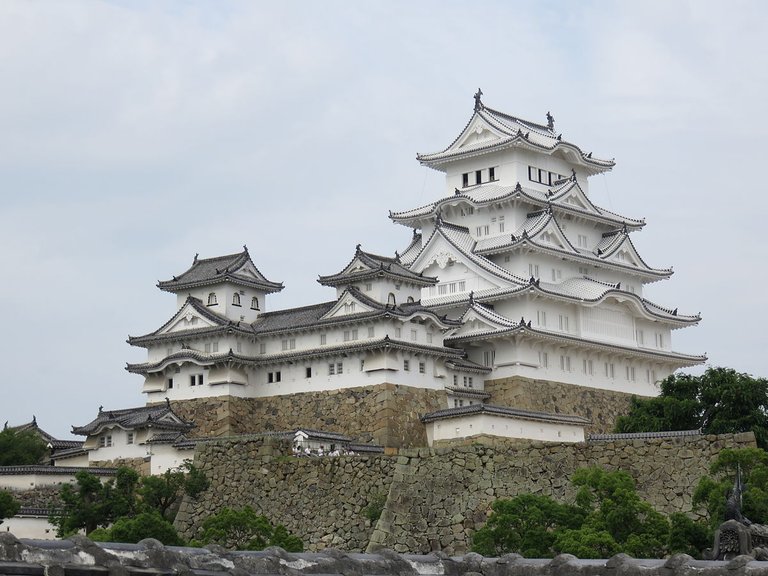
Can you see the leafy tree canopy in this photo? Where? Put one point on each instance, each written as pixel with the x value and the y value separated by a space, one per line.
pixel 243 529
pixel 18 448
pixel 719 401
pixel 607 517
pixel 8 505
pixel 712 491
pixel 133 529
pixel 90 504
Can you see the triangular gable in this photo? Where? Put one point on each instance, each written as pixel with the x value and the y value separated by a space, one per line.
pixel 189 318
pixel 550 234
pixel 572 195
pixel 478 132
pixel 348 304
pixel 624 252
pixel 249 270
pixel 437 255
pixel 478 319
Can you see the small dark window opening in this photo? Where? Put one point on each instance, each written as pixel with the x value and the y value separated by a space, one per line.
pixel 465 179
pixel 170 383
pixel 309 372
pixel 491 174
pixel 478 176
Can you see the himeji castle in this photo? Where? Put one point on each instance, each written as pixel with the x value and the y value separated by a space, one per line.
pixel 515 309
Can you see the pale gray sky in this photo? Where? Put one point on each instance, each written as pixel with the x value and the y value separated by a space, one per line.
pixel 136 134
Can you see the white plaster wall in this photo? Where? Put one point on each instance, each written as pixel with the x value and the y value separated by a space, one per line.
pixel 79 460
pixel 166 457
pixel 119 449
pixel 225 306
pixel 16 482
pixel 504 427
pixel 25 527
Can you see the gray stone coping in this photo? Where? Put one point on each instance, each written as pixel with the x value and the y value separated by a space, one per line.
pixel 79 556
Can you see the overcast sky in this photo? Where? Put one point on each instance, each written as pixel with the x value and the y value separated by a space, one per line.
pixel 136 134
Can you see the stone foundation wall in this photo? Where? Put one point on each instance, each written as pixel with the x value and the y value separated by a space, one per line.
pixel 321 499
pixel 435 498
pixel 385 414
pixel 602 407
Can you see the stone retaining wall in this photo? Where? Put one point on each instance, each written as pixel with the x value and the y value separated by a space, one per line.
pixel 602 407
pixel 321 499
pixel 435 498
pixel 385 414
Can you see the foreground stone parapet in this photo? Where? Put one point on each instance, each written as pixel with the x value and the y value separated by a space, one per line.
pixel 79 556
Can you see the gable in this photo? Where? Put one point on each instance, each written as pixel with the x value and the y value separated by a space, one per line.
pixel 478 133
pixel 474 323
pixel 347 304
pixel 187 318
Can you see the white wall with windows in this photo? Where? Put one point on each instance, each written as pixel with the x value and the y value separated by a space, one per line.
pixel 470 425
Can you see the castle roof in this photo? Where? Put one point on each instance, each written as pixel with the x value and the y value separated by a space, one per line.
pixel 159 416
pixel 504 411
pixel 52 442
pixel 179 326
pixel 489 130
pixel 236 268
pixel 566 196
pixel 366 266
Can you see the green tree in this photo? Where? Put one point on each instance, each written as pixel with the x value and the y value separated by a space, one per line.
pixel 243 529
pixel 21 448
pixel 612 506
pixel 719 401
pixel 712 490
pixel 607 517
pixel 526 524
pixel 136 528
pixel 83 506
pixel 8 505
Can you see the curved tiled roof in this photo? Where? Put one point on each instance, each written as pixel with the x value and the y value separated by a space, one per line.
pixel 221 323
pixel 642 435
pixel 207 271
pixel 512 131
pixel 54 470
pixel 460 238
pixel 504 411
pixel 154 416
pixel 494 193
pixel 564 338
pixel 375 266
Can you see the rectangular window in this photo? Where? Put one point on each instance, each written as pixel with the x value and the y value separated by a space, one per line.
pixel 346 335
pixel 339 367
pixel 414 335
pixel 354 334
pixel 563 322
pixel 406 365
pixel 263 348
pixel 541 318
pixel 640 338
pixel 452 287
pixel 465 180
pixel 478 176
pixel 533 270
pixel 192 380
pixel 610 370
pixel 469 382
pixel 489 357
pixel 308 372
pixel 492 173
pixel 442 289
pixel 455 380
pixel 331 369
pixel 565 363
pixel 398 332
pixel 479 231
pixel 429 337
pixel 630 373
pixel 239 347
pixel 368 286
pixel 582 241
pixel 422 367
pixel 588 367
pixel 169 351
pixel 583 270
pixel 215 347
pixel 362 364
pixel 322 339
pixel 556 274
pixel 207 348
pixel 501 224
pixel 129 438
pixel 659 340
pixel 462 286
pixel 371 332
pixel 170 383
pixel 543 359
